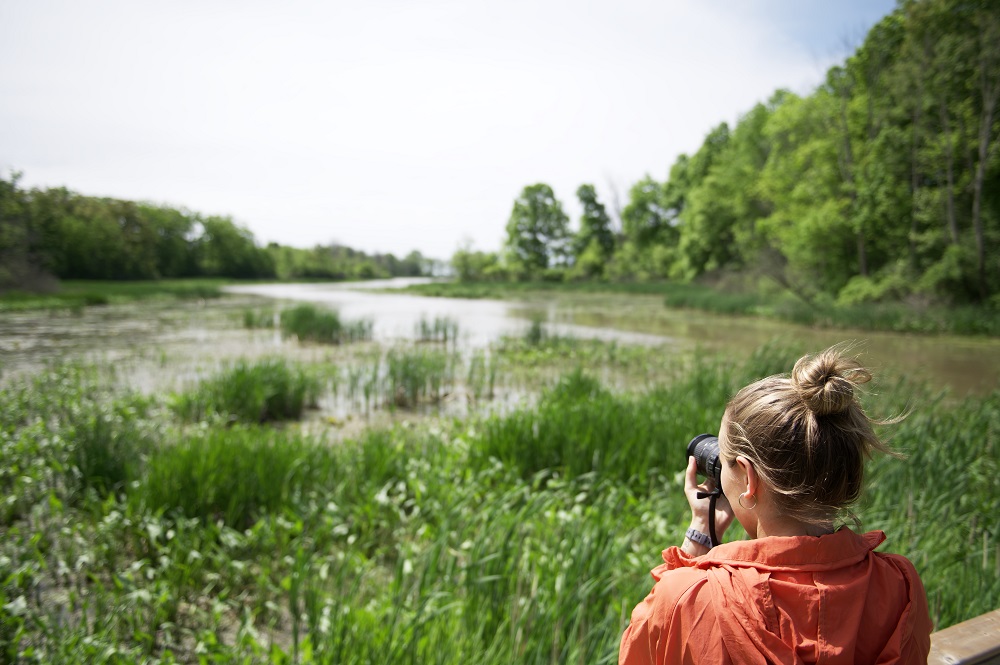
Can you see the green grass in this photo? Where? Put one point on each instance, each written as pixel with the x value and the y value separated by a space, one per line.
pixel 404 377
pixel 257 318
pixel 894 317
pixel 269 389
pixel 522 535
pixel 76 294
pixel 314 324
pixel 440 329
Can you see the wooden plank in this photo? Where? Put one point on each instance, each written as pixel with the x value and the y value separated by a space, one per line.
pixel 972 642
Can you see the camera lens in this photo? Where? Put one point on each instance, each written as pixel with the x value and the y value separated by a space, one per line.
pixel 705 449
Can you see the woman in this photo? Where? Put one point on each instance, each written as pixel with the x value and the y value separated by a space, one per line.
pixel 800 590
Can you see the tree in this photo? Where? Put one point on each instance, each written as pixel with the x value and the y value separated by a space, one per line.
pixel 230 251
pixel 595 228
pixel 470 265
pixel 537 231
pixel 645 220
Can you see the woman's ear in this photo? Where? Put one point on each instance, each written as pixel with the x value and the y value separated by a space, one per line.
pixel 747 475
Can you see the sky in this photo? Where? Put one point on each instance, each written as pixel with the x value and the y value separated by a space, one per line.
pixel 390 125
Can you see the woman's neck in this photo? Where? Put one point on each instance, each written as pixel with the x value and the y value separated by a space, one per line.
pixel 791 527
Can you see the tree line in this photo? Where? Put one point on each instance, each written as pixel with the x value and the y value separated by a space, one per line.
pixel 883 184
pixel 49 234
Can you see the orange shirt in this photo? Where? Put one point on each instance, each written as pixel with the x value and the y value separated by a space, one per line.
pixel 803 599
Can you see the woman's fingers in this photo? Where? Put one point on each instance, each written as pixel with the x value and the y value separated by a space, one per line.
pixel 691 477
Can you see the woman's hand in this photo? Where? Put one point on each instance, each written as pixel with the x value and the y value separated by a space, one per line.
pixel 699 508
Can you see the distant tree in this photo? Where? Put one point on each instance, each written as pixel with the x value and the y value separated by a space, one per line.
pixel 470 265
pixel 537 231
pixel 229 250
pixel 595 226
pixel 15 235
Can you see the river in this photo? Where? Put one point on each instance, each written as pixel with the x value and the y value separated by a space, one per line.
pixel 142 337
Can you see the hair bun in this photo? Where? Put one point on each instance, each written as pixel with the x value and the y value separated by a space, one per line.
pixel 825 382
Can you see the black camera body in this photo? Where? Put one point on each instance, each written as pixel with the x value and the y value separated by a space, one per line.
pixel 705 449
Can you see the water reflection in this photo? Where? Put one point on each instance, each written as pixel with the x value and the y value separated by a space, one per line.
pixel 396 316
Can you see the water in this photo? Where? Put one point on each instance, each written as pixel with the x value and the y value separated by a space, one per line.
pixel 171 344
pixel 963 364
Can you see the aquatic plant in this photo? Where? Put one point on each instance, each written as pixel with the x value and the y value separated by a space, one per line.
pixel 252 392
pixel 440 329
pixel 310 323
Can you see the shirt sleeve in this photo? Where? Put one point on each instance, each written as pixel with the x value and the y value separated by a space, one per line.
pixel 653 636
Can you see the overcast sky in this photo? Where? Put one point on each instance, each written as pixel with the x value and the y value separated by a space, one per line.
pixel 389 125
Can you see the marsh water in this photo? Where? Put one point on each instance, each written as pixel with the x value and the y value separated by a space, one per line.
pixel 165 344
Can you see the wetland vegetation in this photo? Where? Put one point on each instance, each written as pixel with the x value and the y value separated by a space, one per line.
pixel 893 317
pixel 224 522
pixel 300 485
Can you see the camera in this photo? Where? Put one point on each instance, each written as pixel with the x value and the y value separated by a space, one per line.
pixel 705 449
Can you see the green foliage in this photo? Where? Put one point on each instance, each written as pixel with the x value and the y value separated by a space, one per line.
pixel 252 392
pixel 336 262
pixel 235 475
pixel 310 323
pixel 472 266
pixel 537 231
pixel 254 318
pixel 54 233
pixel 85 293
pixel 594 242
pixel 418 375
pixel 225 249
pixel 234 543
pixel 645 220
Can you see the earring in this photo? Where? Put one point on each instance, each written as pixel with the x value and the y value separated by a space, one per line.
pixel 745 507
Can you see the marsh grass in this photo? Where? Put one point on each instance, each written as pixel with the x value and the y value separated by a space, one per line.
pixel 310 323
pixel 415 376
pixel 405 377
pixel 481 378
pixel 524 536
pixel 235 475
pixel 892 316
pixel 76 294
pixel 259 318
pixel 440 329
pixel 252 392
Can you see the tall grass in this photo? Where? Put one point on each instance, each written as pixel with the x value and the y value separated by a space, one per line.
pixel 310 323
pixel 404 377
pixel 252 392
pixel 440 329
pixel 418 375
pixel 517 537
pixel 235 475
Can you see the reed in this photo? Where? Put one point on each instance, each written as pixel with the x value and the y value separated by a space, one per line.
pixel 440 329
pixel 310 323
pixel 252 392
pixel 257 318
pixel 523 536
pixel 415 376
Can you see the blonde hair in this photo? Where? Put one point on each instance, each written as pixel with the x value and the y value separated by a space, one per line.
pixel 807 435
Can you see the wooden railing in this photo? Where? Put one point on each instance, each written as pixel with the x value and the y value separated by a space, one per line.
pixel 972 642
